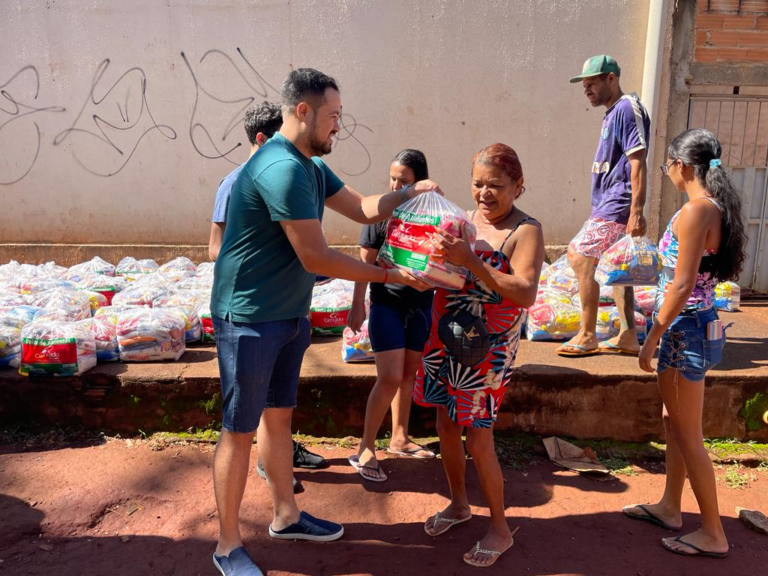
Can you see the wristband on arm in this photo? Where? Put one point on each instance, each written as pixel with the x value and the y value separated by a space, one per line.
pixel 386 275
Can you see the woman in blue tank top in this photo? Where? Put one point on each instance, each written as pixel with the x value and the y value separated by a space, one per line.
pixel 703 244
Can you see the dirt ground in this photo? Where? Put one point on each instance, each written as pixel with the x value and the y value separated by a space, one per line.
pixel 122 508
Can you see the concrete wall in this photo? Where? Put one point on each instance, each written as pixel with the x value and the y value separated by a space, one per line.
pixel 118 119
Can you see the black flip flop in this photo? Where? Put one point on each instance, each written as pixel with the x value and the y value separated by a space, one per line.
pixel 698 551
pixel 648 517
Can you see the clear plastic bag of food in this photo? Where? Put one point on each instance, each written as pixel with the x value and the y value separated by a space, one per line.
pixel 629 262
pixel 95 266
pixel 546 295
pixel 546 270
pixel 65 303
pixel 205 269
pixel 149 334
pixel 10 296
pixel 204 313
pixel 728 296
pixel 37 285
pixel 142 294
pixel 329 310
pixel 10 347
pixel 356 346
pixel 105 285
pixel 193 329
pixel 561 277
pixel 409 239
pixel 18 316
pixel 104 333
pixel 606 296
pixel 132 268
pixel 56 348
pixel 552 321
pixel 645 299
pixel 178 269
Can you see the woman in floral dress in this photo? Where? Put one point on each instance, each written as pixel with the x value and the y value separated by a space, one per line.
pixel 503 274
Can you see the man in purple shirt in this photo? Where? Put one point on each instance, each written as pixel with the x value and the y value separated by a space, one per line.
pixel 618 198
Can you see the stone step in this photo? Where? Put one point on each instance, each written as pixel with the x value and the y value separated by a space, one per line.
pixel 604 396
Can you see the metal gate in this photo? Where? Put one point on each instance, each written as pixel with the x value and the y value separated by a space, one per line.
pixel 741 125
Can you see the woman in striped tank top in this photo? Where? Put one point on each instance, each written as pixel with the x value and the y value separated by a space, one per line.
pixel 703 244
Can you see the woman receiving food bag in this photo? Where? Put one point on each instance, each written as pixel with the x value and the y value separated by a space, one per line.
pixel 469 357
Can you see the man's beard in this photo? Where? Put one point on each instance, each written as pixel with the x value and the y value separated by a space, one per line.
pixel 318 147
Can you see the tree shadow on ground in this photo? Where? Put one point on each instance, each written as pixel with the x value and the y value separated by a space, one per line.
pixel 599 544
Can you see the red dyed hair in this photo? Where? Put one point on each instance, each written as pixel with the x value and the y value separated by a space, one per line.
pixel 501 156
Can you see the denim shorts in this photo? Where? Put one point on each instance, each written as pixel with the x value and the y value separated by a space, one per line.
pixel 259 365
pixel 396 327
pixel 685 348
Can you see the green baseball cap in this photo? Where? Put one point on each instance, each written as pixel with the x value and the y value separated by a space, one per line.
pixel 597 65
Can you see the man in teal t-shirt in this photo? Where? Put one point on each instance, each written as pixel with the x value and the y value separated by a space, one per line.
pixel 272 249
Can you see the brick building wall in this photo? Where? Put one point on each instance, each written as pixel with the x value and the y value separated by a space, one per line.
pixel 731 31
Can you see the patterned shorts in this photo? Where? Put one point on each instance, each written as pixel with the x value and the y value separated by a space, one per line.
pixel 596 236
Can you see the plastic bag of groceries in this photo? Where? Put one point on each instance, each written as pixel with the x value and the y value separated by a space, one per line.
pixel 37 285
pixel 104 333
pixel 18 316
pixel 356 347
pixel 645 299
pixel 329 310
pixel 606 296
pixel 57 348
pixel 204 313
pixel 148 334
pixel 409 246
pixel 561 277
pixel 205 269
pixel 728 296
pixel 546 270
pixel 113 312
pixel 105 285
pixel 555 321
pixel 142 294
pixel 546 295
pixel 65 303
pixel 10 347
pixel 95 266
pixel 609 323
pixel 178 269
pixel 629 262
pixel 193 329
pixel 11 297
pixel 132 268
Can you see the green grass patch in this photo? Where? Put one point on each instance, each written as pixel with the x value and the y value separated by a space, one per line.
pixel 737 477
pixel 753 411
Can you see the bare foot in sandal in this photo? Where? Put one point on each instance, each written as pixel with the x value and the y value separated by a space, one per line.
pixel 490 548
pixel 447 519
pixel 370 471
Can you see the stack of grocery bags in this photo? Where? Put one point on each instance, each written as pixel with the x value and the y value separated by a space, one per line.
pixel 63 321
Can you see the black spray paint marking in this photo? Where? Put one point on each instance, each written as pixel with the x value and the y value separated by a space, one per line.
pixel 101 125
pixel 17 109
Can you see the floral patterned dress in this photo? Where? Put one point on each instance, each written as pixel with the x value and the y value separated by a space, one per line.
pixel 472 394
pixel 703 295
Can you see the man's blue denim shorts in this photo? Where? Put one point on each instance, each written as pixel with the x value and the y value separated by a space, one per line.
pixel 685 348
pixel 259 365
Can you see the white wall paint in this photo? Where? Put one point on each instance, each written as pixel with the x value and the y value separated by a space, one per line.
pixel 447 77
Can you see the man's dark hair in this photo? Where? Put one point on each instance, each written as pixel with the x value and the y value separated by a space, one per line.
pixel 266 118
pixel 305 85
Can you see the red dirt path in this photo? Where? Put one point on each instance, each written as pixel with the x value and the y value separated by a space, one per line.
pixel 122 509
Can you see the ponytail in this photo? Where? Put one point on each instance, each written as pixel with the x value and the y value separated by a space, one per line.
pixel 700 149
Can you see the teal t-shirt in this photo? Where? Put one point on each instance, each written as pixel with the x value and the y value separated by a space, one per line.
pixel 258 276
